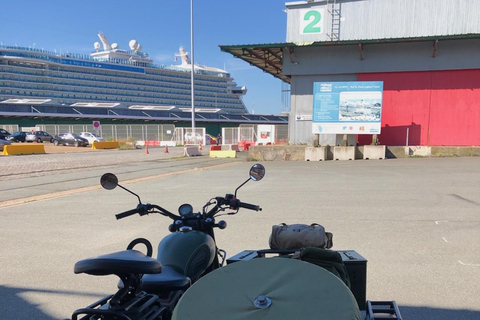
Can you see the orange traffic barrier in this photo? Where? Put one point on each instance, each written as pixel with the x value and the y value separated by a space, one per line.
pixel 105 145
pixel 23 149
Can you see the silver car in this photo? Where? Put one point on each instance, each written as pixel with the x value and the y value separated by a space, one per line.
pixel 91 137
pixel 38 136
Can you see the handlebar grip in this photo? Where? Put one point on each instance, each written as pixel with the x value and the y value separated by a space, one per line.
pixel 249 206
pixel 126 214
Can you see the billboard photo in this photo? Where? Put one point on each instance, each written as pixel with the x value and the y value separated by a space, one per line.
pixel 347 107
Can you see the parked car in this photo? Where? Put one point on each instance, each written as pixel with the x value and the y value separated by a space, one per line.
pixel 70 139
pixel 38 136
pixel 4 134
pixel 18 136
pixel 4 143
pixel 91 137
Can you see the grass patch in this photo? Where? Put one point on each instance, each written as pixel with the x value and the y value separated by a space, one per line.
pixel 126 146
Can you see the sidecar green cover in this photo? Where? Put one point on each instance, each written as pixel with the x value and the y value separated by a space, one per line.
pixel 268 289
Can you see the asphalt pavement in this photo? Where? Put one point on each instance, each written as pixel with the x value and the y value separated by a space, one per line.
pixel 415 220
pixel 60 158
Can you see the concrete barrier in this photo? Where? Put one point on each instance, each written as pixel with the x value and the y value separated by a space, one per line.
pixel 315 154
pixel 374 152
pixel 344 153
pixel 15 149
pixel 298 153
pixel 274 153
pixel 223 154
pixel 233 147
pixel 418 151
pixel 215 148
pixel 106 145
pixel 167 143
pixel 191 151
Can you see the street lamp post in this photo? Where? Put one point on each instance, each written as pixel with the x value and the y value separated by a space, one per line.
pixel 192 61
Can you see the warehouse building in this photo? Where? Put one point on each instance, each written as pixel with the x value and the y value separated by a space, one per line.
pixel 426 53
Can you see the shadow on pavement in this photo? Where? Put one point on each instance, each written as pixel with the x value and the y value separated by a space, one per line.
pixel 13 306
pixel 426 313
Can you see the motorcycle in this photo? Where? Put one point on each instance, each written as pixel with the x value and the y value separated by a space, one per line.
pixel 150 288
pixel 250 286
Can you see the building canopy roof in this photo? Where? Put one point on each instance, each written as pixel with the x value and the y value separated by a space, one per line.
pixel 269 57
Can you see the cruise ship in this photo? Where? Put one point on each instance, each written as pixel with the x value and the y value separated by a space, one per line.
pixel 115 77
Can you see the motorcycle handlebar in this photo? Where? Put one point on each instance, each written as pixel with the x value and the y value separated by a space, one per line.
pixel 126 214
pixel 144 209
pixel 249 206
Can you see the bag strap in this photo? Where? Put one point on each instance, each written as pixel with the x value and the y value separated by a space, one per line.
pixel 329 243
pixel 297 255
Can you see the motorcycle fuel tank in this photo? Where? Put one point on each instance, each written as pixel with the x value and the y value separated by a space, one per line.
pixel 190 252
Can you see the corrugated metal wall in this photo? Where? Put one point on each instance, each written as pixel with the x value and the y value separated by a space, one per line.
pixel 437 108
pixel 379 19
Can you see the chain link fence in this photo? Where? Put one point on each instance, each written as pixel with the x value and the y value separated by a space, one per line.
pixel 10 127
pixel 245 134
pixel 256 134
pixel 118 132
pixel 189 136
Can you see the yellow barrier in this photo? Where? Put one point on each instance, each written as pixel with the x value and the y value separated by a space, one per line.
pixel 106 145
pixel 223 154
pixel 23 149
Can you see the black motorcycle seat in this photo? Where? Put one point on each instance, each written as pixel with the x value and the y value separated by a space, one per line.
pixel 119 263
pixel 168 279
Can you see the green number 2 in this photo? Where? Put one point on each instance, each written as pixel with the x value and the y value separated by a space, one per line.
pixel 311 28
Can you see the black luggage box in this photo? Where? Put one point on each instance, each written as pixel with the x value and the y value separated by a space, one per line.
pixel 356 266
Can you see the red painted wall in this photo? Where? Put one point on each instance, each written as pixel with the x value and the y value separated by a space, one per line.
pixel 438 107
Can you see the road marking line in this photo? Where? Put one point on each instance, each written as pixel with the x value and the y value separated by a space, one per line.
pixel 469 264
pixel 440 221
pixel 10 203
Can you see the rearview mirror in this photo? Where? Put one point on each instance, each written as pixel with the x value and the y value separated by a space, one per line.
pixel 257 172
pixel 109 181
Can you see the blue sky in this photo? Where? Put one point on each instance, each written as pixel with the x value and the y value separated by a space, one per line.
pixel 160 26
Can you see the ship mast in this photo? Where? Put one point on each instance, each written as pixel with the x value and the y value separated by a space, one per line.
pixel 105 42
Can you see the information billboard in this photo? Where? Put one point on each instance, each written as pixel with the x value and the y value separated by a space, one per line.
pixel 347 107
